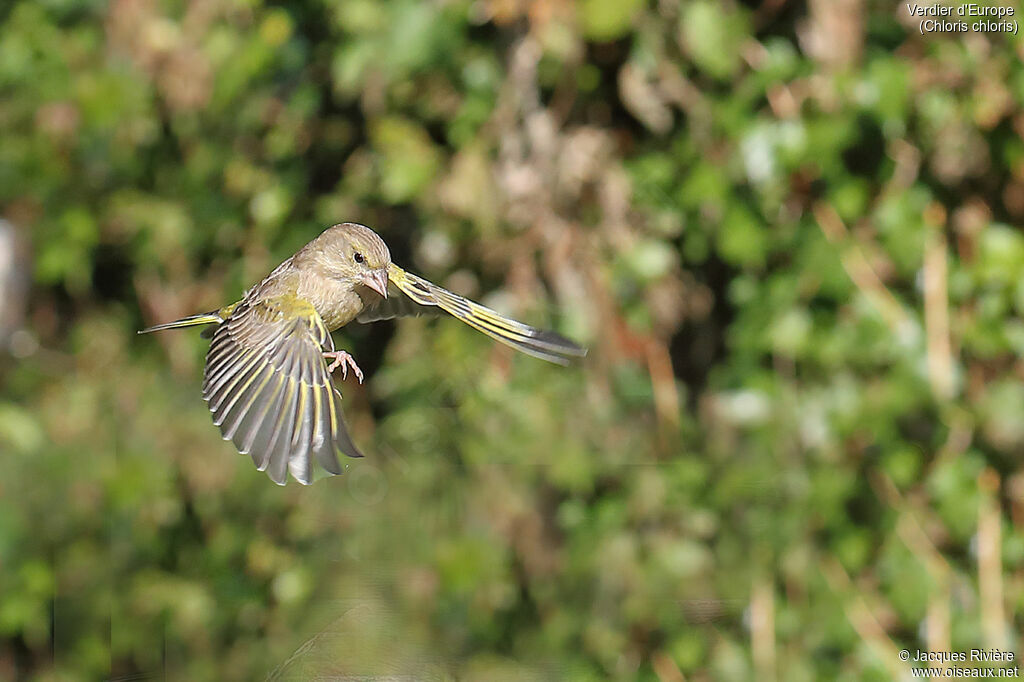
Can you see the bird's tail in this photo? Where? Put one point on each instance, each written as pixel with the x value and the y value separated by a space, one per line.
pixel 212 317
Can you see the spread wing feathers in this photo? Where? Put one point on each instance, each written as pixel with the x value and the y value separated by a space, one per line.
pixel 395 305
pixel 267 385
pixel 546 345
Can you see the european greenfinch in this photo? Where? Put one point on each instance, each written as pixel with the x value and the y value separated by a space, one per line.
pixel 267 380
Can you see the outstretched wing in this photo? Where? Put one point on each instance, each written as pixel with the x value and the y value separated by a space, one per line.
pixel 395 305
pixel 267 385
pixel 546 345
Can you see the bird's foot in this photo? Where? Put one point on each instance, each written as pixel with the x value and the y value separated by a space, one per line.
pixel 343 360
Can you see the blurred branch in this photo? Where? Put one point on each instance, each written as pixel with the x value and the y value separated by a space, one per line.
pixel 860 616
pixel 666 669
pixel 937 619
pixel 834 34
pixel 936 305
pixel 913 535
pixel 663 381
pixel 860 270
pixel 990 573
pixel 14 277
pixel 907 160
pixel 762 628
pixel 961 433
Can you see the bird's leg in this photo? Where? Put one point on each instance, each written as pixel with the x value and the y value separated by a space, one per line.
pixel 343 360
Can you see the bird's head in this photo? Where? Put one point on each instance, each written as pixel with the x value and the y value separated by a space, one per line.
pixel 354 253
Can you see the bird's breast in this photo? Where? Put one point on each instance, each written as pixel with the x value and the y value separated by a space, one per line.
pixel 336 302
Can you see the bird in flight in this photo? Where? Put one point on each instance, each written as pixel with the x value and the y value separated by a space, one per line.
pixel 267 380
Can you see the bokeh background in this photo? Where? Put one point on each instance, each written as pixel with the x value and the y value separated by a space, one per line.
pixel 788 232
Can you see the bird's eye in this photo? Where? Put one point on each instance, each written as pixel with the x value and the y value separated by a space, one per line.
pixel 358 257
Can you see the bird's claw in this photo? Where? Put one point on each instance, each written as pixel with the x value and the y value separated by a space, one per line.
pixel 343 360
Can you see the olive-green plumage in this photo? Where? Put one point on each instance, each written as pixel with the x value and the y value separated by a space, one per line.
pixel 267 381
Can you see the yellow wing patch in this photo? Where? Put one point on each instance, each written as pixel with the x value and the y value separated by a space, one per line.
pixel 267 385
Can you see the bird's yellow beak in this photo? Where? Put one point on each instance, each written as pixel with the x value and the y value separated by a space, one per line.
pixel 378 281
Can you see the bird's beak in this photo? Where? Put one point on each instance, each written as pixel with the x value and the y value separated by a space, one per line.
pixel 378 281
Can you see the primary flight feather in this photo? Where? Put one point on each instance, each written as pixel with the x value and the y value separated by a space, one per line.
pixel 267 380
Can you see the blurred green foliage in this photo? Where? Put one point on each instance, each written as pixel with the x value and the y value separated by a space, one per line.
pixel 789 235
